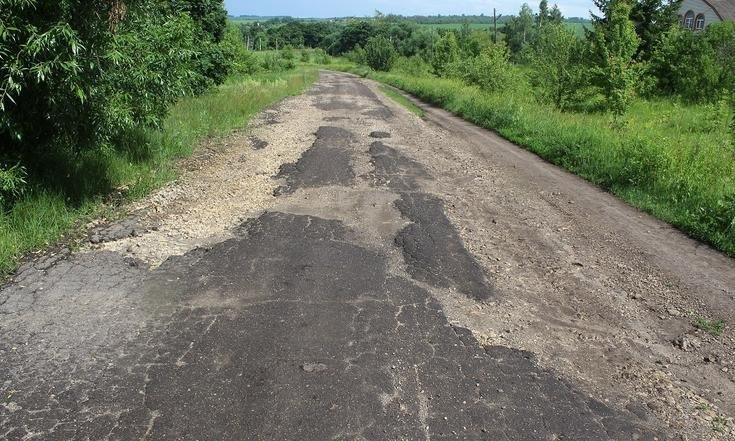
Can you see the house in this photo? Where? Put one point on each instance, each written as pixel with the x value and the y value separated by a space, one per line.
pixel 697 14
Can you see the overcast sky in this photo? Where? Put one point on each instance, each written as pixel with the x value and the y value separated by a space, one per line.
pixel 342 8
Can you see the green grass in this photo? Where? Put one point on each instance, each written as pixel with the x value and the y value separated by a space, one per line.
pixel 674 161
pixel 402 100
pixel 719 424
pixel 146 162
pixel 714 327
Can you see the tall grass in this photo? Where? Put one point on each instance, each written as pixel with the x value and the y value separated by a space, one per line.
pixel 141 162
pixel 674 161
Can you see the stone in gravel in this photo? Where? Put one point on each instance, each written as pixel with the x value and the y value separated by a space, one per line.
pixel 687 342
pixel 380 135
pixel 313 367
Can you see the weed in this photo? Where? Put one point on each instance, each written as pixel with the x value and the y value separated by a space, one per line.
pixel 719 424
pixel 713 327
pixel 402 100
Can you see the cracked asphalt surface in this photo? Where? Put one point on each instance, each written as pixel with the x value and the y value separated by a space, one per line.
pixel 321 317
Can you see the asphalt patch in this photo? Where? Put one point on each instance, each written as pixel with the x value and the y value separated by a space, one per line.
pixel 327 162
pixel 394 170
pixel 289 331
pixel 434 251
pixel 257 143
pixel 380 113
pixel 123 229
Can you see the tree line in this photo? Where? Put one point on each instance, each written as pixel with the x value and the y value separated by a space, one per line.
pixel 634 48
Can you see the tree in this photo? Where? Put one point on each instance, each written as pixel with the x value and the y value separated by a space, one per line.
pixel 559 75
pixel 353 33
pixel 543 13
pixel 211 15
pixel 614 44
pixel 652 19
pixel 77 76
pixel 446 52
pixel 546 16
pixel 380 54
pixel 556 16
pixel 519 30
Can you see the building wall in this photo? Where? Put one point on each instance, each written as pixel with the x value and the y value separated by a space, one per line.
pixel 699 7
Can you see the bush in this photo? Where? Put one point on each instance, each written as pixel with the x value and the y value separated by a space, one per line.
pixel 305 56
pixel 357 55
pixel 491 70
pixel 287 53
pixel 273 63
pixel 559 74
pixel 244 61
pixel 684 64
pixel 321 57
pixel 414 65
pixel 446 52
pixel 380 54
pixel 614 45
pixel 71 79
pixel 12 184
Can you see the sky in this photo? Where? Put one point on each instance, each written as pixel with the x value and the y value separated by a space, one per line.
pixel 343 8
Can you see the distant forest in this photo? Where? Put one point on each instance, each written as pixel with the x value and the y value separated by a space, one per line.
pixel 419 19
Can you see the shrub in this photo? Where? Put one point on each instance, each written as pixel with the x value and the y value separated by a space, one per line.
pixel 446 52
pixel 684 64
pixel 71 79
pixel 321 57
pixel 414 65
pixel 287 53
pixel 491 70
pixel 614 45
pixel 559 74
pixel 12 184
pixel 273 63
pixel 357 55
pixel 721 37
pixel 305 56
pixel 380 54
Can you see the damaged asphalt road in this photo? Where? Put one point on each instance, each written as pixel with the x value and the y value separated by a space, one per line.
pixel 318 318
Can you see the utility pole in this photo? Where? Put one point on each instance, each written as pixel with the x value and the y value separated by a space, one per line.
pixel 495 26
